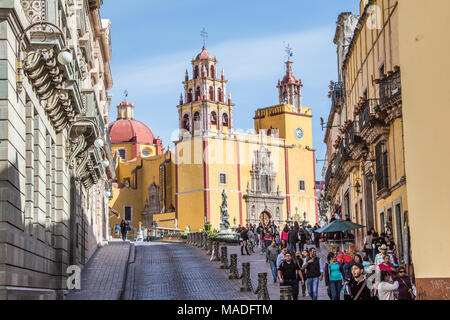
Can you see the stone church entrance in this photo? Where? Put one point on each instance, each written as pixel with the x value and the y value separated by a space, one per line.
pixel 265 219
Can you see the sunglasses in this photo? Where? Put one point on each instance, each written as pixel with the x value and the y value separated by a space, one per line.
pixel 401 271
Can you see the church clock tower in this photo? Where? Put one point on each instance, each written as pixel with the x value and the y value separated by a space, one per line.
pixel 204 108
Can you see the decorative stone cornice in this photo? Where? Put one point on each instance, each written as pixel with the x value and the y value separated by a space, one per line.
pixel 43 71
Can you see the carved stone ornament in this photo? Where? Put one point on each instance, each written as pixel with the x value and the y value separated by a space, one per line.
pixel 47 78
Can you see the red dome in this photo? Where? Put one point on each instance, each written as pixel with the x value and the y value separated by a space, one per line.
pixel 204 55
pixel 130 131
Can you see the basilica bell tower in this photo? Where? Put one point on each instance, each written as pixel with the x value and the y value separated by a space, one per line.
pixel 205 109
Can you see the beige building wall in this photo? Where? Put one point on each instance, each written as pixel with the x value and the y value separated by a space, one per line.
pixel 424 47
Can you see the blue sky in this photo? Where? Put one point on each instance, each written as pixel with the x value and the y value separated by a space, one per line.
pixel 154 41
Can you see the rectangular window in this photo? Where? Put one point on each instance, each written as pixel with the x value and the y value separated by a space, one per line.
pixel 301 185
pixel 128 213
pixel 122 154
pixel 222 179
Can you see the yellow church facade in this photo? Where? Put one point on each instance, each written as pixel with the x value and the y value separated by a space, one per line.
pixel 267 173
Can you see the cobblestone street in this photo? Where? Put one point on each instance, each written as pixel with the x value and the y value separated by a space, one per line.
pixel 170 271
pixel 164 271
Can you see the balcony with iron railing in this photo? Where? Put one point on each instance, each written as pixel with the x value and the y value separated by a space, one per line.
pixel 338 94
pixel 341 156
pixel 390 88
pixel 352 135
pixel 329 174
pixel 368 113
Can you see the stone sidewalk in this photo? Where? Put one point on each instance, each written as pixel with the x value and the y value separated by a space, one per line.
pixel 104 275
pixel 258 264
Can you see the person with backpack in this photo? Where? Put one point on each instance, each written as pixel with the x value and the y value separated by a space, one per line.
pixel 314 273
pixel 356 288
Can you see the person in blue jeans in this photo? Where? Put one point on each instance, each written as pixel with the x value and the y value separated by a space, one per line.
pixel 334 277
pixel 272 253
pixel 314 273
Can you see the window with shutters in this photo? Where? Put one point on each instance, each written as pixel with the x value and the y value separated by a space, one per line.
pixel 382 166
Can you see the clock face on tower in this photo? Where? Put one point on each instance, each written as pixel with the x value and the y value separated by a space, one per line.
pixel 299 133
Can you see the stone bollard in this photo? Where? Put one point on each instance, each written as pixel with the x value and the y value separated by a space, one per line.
pixel 215 253
pixel 246 281
pixel 200 243
pixel 234 274
pixel 189 238
pixel 285 293
pixel 261 291
pixel 224 258
pixel 205 242
pixel 197 243
pixel 210 247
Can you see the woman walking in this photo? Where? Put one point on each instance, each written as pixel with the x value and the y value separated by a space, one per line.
pixel 284 236
pixel 386 289
pixel 334 277
pixel 405 289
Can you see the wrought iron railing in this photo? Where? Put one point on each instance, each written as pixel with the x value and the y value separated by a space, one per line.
pixel 328 175
pixel 338 94
pixel 368 113
pixel 390 88
pixel 341 156
pixel 352 135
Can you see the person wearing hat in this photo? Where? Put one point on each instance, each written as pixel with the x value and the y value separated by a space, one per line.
pixel 379 258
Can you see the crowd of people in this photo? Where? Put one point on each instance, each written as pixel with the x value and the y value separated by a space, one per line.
pixel 374 274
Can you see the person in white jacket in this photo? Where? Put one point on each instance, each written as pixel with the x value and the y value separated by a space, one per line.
pixel 386 289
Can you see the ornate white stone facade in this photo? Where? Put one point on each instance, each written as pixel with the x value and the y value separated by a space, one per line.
pixel 53 206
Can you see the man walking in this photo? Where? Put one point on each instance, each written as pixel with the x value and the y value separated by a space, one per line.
pixel 356 288
pixel 272 254
pixel 314 273
pixel 280 257
pixel 287 273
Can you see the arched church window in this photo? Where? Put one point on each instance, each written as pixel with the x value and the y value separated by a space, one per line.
pixel 196 72
pixel 211 93
pixel 225 120
pixel 186 122
pixel 220 94
pixel 213 72
pixel 214 118
pixel 197 94
pixel 196 121
pixel 189 96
